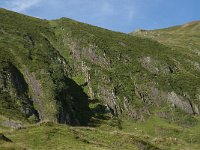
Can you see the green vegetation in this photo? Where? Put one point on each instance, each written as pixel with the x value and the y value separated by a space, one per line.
pixel 27 41
pixel 154 133
pixel 118 91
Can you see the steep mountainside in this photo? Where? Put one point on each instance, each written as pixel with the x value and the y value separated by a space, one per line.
pixel 63 71
pixel 34 76
pixel 134 76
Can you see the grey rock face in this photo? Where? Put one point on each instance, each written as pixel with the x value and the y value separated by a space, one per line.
pixel 11 124
pixel 180 102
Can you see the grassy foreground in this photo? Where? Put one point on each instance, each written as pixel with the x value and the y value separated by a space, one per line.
pixel 154 133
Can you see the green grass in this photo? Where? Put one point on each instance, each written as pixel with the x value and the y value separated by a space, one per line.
pixel 167 135
pixel 154 133
pixel 52 136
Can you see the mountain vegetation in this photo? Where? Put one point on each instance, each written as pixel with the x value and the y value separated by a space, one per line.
pixel 70 85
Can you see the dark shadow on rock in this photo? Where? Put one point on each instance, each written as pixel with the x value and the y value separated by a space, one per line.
pixel 14 82
pixel 100 114
pixel 74 104
pixel 22 91
pixel 4 138
pixel 93 101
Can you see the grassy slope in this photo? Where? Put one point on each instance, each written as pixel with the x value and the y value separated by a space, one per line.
pixel 184 39
pixel 25 43
pixel 13 36
pixel 118 48
pixel 124 69
pixel 155 133
pixel 185 45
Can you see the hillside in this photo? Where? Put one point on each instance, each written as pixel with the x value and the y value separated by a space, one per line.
pixel 186 35
pixel 183 40
pixel 114 90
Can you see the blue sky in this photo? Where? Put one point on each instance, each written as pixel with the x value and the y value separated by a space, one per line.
pixel 117 15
